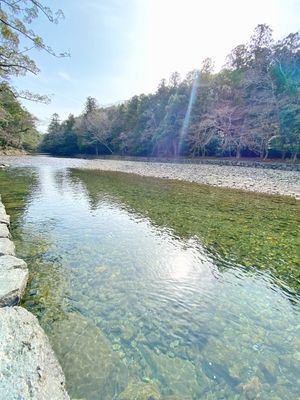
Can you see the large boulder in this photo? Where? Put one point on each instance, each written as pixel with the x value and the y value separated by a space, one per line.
pixel 93 370
pixel 28 366
pixel 13 280
pixel 6 247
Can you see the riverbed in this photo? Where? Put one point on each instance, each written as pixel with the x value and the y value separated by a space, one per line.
pixel 156 288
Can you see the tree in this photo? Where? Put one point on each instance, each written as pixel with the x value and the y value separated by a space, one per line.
pixel 168 134
pixel 16 40
pixel 260 46
pixel 52 140
pixel 263 119
pixel 91 105
pixel 289 139
pixel 201 135
pixel 174 80
pixel 17 37
pixel 239 58
pixel 286 74
pixel 94 126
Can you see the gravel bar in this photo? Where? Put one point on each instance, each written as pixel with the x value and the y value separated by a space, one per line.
pixel 269 181
pixel 254 179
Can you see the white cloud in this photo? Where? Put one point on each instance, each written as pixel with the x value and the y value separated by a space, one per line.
pixel 65 76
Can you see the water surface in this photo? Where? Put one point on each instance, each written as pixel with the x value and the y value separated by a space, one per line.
pixel 152 289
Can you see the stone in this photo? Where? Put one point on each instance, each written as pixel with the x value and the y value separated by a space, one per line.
pixel 100 269
pixel 140 391
pixel 28 366
pixel 178 374
pixel 4 232
pixel 93 370
pixel 4 218
pixel 6 247
pixel 252 388
pixel 13 280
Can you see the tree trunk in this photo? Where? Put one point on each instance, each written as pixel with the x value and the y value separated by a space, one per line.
pixel 295 156
pixel 261 154
pixel 175 148
pixel 266 154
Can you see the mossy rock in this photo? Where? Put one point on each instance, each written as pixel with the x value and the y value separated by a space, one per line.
pixel 140 391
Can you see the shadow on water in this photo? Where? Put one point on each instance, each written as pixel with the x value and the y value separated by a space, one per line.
pixel 151 289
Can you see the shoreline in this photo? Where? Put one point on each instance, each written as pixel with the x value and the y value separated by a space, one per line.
pixel 285 165
pixel 251 179
pixel 247 178
pixel 29 368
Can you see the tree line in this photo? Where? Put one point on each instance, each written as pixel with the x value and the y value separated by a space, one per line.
pixel 250 108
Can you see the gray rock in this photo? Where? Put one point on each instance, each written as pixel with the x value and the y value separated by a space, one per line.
pixel 10 262
pixel 4 232
pixel 4 218
pixel 6 247
pixel 93 370
pixel 28 366
pixel 13 280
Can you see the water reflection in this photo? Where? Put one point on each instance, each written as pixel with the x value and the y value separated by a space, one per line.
pixel 137 310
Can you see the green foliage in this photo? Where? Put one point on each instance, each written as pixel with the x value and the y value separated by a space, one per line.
pixel 250 108
pixel 17 126
pixel 17 37
pixel 61 138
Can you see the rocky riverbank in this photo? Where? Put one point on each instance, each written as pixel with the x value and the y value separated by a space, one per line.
pixel 249 176
pixel 28 366
pixel 262 180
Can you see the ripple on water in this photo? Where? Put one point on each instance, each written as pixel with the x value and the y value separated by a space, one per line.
pixel 138 305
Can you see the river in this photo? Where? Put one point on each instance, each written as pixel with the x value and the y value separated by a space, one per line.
pixel 153 289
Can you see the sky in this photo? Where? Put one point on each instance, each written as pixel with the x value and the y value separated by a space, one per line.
pixel 120 48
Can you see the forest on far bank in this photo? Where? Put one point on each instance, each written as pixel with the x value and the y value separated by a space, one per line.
pixel 251 108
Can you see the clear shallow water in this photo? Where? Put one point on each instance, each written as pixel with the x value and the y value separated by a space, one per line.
pixel 135 304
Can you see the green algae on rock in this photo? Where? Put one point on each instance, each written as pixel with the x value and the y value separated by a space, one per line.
pixel 137 390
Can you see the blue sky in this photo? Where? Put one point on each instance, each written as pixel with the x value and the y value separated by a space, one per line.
pixel 120 48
